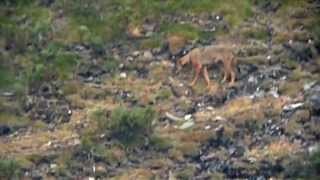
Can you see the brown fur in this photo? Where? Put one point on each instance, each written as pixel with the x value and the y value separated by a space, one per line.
pixel 201 57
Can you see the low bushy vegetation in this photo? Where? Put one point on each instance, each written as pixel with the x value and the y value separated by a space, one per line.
pixel 131 127
pixel 128 126
pixel 307 169
pixel 9 169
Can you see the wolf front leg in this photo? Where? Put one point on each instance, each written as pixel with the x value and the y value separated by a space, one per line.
pixel 198 68
pixel 233 71
pixel 233 78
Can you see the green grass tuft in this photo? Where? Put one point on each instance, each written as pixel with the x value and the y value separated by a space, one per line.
pixel 130 127
pixel 9 169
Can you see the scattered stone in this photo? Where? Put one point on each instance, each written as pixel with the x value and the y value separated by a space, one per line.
pixel 136 53
pixel 186 125
pixel 312 149
pixel 236 151
pixel 210 108
pixel 129 58
pixel 308 86
pixel 36 175
pixel 219 129
pixel 173 117
pixel 4 130
pixel 187 117
pixel 314 100
pixel 100 169
pixel 7 94
pixel 292 107
pixel 274 92
pixel 147 55
pixel 69 112
pixel 219 118
pixel 123 75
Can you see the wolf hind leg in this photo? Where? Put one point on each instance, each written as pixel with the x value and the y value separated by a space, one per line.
pixel 206 77
pixel 225 76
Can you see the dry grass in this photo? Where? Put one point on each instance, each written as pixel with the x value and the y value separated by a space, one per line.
pixel 274 150
pixel 243 108
pixel 134 174
pixel 176 42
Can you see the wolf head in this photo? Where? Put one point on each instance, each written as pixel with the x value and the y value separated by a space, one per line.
pixel 181 62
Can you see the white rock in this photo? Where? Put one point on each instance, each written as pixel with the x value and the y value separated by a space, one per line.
pixel 252 79
pixel 123 75
pixel 147 55
pixel 210 108
pixel 207 127
pixel 187 117
pixel 136 53
pixel 218 18
pixel 309 85
pixel 219 118
pixel 252 159
pixel 274 92
pixel 283 78
pixel 121 65
pixel 269 57
pixel 173 117
pixel 292 106
pixel 129 58
pixel 186 125
pixel 313 149
pixel 7 94
pixel 53 166
pixel 76 142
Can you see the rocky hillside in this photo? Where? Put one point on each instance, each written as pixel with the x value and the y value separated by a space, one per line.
pixel 89 90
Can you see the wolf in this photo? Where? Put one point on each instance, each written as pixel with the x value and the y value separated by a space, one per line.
pixel 201 57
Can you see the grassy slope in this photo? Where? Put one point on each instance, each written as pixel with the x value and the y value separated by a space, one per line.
pixel 96 22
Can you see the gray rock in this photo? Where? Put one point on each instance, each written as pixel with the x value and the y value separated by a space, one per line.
pixel 4 130
pixel 7 94
pixel 299 51
pixel 147 55
pixel 186 125
pixel 315 102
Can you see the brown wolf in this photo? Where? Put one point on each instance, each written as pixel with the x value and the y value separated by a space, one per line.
pixel 201 57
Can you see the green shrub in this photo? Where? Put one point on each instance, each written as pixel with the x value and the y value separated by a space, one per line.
pixel 100 116
pixel 315 163
pixel 130 127
pixel 303 166
pixel 9 169
pixel 111 65
pixel 160 144
pixel 54 61
pixel 16 2
pixel 256 33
